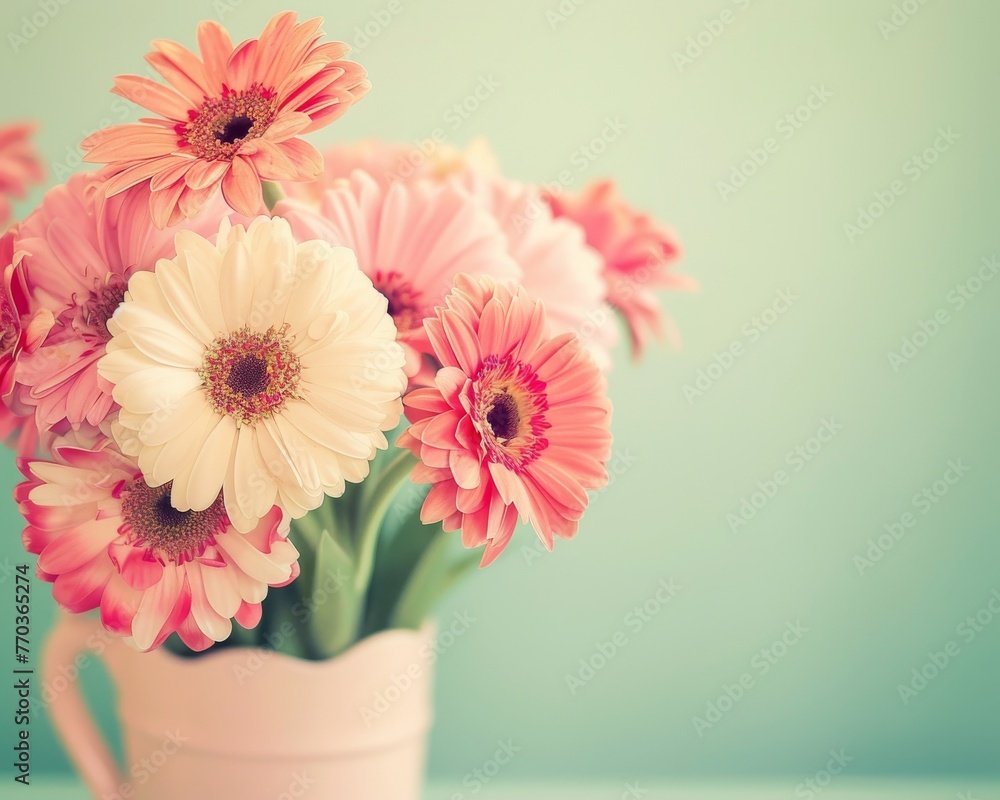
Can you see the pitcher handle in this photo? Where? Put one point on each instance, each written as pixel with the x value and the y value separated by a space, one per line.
pixel 73 636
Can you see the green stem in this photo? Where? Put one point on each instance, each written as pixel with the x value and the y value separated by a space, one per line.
pixel 272 194
pixel 374 509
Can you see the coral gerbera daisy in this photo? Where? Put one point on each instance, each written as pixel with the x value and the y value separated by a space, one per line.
pixel 516 423
pixel 559 268
pixel 20 166
pixel 107 539
pixel 16 429
pixel 412 239
pixel 76 253
pixel 255 366
pixel 638 252
pixel 231 119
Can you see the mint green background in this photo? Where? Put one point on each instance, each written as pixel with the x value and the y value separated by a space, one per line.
pixel 665 517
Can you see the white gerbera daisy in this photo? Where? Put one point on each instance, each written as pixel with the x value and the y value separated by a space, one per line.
pixel 256 366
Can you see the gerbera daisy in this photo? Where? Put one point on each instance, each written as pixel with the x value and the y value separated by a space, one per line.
pixel 638 254
pixel 255 366
pixel 17 427
pixel 107 539
pixel 516 422
pixel 231 119
pixel 392 162
pixel 558 267
pixel 411 239
pixel 77 251
pixel 20 166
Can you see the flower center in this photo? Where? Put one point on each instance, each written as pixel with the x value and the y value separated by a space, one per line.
pixel 236 129
pixel 509 407
pixel 217 129
pixel 250 374
pixel 171 535
pixel 104 301
pixel 405 306
pixel 503 418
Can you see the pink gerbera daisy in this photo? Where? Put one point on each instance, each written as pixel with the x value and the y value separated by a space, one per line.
pixel 108 540
pixel 17 428
pixel 516 423
pixel 232 118
pixel 558 267
pixel 411 239
pixel 77 251
pixel 20 166
pixel 638 253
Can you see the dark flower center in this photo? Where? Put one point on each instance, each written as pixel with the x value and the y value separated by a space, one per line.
pixel 248 376
pixel 151 522
pixel 166 515
pixel 236 129
pixel 221 125
pixel 509 405
pixel 504 418
pixel 251 374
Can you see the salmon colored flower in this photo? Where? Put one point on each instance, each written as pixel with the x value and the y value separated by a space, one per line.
pixel 18 335
pixel 516 423
pixel 411 239
pixel 639 255
pixel 108 540
pixel 229 119
pixel 20 166
pixel 76 253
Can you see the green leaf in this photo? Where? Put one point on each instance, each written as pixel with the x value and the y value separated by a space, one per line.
pixel 433 575
pixel 401 545
pixel 332 606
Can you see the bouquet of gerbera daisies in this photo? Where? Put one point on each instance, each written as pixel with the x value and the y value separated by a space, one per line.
pixel 225 354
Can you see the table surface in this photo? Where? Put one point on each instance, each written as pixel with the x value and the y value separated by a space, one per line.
pixel 957 788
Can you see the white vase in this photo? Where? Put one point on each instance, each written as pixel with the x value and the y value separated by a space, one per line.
pixel 250 724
